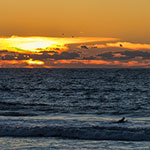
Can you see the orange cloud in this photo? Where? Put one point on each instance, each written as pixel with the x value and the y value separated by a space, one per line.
pixel 57 63
pixel 132 63
pixel 38 44
pixel 12 64
pixel 118 55
pixel 20 63
pixel 48 52
pixel 82 61
pixel 134 46
pixel 128 45
pixel 143 64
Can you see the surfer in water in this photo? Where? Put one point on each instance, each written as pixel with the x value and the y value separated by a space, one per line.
pixel 121 120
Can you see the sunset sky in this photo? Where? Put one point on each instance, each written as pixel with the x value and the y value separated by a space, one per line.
pixel 74 33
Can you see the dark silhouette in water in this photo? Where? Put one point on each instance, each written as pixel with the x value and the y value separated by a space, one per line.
pixel 121 120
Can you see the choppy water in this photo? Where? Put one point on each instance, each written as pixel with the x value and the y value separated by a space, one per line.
pixel 75 106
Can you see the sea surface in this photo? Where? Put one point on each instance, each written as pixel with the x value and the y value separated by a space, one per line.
pixel 74 109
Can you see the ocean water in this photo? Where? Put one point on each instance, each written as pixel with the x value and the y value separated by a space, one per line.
pixel 74 109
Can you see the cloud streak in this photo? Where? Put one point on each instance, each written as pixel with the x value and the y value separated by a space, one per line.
pixel 77 52
pixel 38 44
pixel 124 55
pixel 122 45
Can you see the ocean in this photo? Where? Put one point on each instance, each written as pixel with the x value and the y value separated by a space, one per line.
pixel 74 109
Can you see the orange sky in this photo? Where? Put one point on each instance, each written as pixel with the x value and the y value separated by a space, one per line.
pixel 68 33
pixel 125 19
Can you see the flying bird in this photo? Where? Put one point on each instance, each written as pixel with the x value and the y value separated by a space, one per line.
pixel 85 47
pixel 121 45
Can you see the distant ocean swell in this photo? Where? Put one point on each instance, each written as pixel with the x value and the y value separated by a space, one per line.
pixel 82 133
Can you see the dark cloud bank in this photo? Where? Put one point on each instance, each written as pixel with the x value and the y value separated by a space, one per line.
pixel 124 55
pixel 45 55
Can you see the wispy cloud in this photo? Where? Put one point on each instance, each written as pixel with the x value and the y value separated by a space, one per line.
pixel 38 44
pixel 47 52
pixel 122 45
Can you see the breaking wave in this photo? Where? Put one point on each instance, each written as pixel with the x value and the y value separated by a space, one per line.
pixel 82 133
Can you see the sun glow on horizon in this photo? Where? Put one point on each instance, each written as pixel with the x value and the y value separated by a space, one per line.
pixel 34 62
pixel 38 44
pixel 49 52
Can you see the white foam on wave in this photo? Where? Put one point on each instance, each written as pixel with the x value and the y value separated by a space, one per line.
pixel 86 127
pixel 85 133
